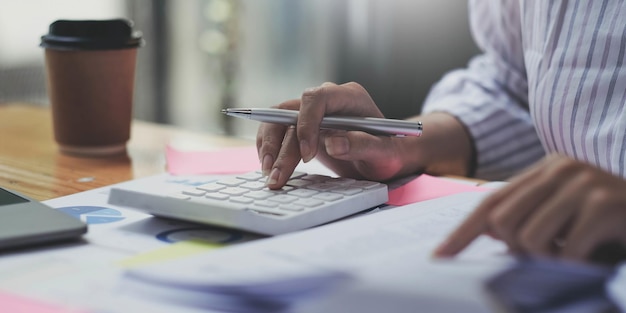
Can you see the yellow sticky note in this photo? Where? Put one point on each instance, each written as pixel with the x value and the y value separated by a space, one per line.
pixel 174 251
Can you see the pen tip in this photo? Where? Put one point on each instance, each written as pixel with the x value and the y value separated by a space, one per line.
pixel 224 111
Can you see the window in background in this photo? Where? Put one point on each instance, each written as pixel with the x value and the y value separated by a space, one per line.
pixel 397 49
pixel 250 53
pixel 240 53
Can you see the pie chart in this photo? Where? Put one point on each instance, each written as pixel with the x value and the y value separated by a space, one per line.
pixel 93 214
pixel 207 234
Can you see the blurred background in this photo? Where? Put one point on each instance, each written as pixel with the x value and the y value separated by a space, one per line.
pixel 204 55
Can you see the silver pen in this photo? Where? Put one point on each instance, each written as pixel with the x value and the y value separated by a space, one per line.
pixel 375 126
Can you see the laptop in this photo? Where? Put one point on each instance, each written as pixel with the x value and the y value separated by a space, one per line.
pixel 25 222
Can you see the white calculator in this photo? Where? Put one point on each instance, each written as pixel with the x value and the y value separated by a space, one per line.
pixel 244 202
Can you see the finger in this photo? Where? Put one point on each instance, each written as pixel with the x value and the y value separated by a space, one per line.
pixel 293 104
pixel 286 161
pixel 597 223
pixel 586 236
pixel 270 137
pixel 330 99
pixel 512 217
pixel 269 142
pixel 339 167
pixel 312 110
pixel 372 156
pixel 463 235
pixel 478 221
pixel 544 230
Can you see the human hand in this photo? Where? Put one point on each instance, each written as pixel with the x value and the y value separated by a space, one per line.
pixel 348 153
pixel 559 208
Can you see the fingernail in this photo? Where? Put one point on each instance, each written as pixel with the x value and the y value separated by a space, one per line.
pixel 273 178
pixel 337 145
pixel 267 163
pixel 305 152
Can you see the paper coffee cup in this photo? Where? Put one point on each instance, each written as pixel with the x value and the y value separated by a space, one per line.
pixel 90 67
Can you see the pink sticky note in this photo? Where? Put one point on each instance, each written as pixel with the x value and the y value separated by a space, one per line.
pixel 222 161
pixel 426 187
pixel 19 304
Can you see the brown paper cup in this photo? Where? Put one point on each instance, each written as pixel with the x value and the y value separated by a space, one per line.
pixel 91 95
pixel 90 88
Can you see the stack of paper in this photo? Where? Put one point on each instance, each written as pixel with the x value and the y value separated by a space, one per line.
pixel 389 249
pixel 267 288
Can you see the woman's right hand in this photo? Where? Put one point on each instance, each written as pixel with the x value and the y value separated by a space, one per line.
pixel 357 154
pixel 348 153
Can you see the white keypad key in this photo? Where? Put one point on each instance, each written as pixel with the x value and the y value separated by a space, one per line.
pixel 194 192
pixel 211 187
pixel 309 203
pixel 234 181
pixel 303 193
pixel 327 196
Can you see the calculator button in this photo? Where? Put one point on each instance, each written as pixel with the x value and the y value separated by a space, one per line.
pixel 302 193
pixel 211 187
pixel 194 192
pixel 364 184
pixel 265 203
pixel 233 181
pixel 298 182
pixel 241 199
pixel 274 192
pixel 328 196
pixel 348 191
pixel 259 194
pixel 234 191
pixel 315 177
pixel 292 207
pixel 254 185
pixel 322 186
pixel 251 176
pixel 283 198
pixel 341 180
pixel 309 203
pixel 217 196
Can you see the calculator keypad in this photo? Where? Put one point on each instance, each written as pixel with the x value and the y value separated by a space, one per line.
pixel 302 192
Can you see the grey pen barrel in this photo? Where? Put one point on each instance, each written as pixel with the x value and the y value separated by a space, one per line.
pixel 376 126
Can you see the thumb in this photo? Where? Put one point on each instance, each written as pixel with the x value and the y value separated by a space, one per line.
pixel 374 157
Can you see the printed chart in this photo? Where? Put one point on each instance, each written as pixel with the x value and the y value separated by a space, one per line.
pixel 93 214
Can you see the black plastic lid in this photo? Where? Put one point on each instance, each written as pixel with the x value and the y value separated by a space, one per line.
pixel 91 35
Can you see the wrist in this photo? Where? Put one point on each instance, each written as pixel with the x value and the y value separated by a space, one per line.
pixel 445 148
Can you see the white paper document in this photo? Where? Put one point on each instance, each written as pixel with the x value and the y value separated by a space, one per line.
pixel 389 248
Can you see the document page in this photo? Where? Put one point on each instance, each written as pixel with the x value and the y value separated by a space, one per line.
pixel 391 244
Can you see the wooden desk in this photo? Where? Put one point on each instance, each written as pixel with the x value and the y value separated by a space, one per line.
pixel 31 164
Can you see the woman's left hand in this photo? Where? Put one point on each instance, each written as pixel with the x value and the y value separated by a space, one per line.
pixel 559 208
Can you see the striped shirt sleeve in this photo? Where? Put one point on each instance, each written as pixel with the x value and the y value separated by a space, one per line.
pixel 490 96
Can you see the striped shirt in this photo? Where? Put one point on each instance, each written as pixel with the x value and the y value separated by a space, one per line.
pixel 551 79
